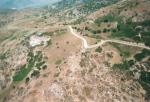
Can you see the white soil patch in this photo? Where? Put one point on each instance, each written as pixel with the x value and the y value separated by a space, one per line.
pixel 38 40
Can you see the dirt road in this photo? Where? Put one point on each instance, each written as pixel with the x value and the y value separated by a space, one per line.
pixel 86 46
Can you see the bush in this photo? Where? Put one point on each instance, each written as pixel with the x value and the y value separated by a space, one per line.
pixel 145 77
pixel 104 30
pixel 44 67
pixel 27 80
pixel 35 73
pixel 33 61
pixel 19 76
pixel 139 56
pixel 142 55
pixel 145 23
pixel 99 31
pixel 99 49
pixel 125 65
pixel 126 30
pixel 147 41
pixel 107 18
pixel 39 64
pixel 3 56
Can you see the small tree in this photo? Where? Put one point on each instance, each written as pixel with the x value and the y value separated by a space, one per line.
pixel 99 49
pixel 104 30
pixel 27 80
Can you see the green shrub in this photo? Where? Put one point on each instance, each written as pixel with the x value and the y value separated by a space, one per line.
pixel 142 55
pixel 3 56
pixel 107 18
pixel 39 64
pixel 145 82
pixel 44 67
pixel 126 30
pixel 125 65
pixel 19 76
pixel 145 23
pixel 99 49
pixel 25 69
pixel 35 73
pixel 27 79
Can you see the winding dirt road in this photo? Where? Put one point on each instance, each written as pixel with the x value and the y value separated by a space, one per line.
pixel 86 46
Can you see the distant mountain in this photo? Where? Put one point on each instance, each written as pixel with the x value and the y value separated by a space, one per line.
pixel 66 3
pixel 84 6
pixel 8 4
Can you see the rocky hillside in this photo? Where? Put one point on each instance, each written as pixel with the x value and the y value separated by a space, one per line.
pixel 41 60
pixel 83 6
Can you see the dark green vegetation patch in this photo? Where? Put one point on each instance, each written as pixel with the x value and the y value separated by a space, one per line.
pixel 142 55
pixel 99 49
pixel 34 60
pixel 137 31
pixel 145 82
pixel 3 56
pixel 125 65
pixel 25 69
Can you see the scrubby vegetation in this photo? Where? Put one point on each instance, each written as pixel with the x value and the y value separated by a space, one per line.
pixel 106 19
pixel 60 31
pixel 125 51
pixel 125 65
pixel 3 56
pixel 79 20
pixel 142 55
pixel 145 82
pixel 88 7
pixel 33 61
pixel 142 68
pixel 99 49
pixel 123 28
pixel 25 69
pixel 137 31
pixel 35 73
pixel 5 37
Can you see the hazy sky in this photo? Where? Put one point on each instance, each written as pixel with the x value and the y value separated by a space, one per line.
pixel 45 1
pixel 4 1
pixel 23 3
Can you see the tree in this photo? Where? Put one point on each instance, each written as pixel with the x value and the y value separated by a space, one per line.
pixel 99 31
pixel 105 20
pixel 27 80
pixel 147 42
pixel 99 49
pixel 104 30
pixel 86 28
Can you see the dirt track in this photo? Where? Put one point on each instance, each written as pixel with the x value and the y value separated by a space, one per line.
pixel 86 46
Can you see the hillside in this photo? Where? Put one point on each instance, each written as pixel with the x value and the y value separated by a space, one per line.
pixel 75 51
pixel 82 6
